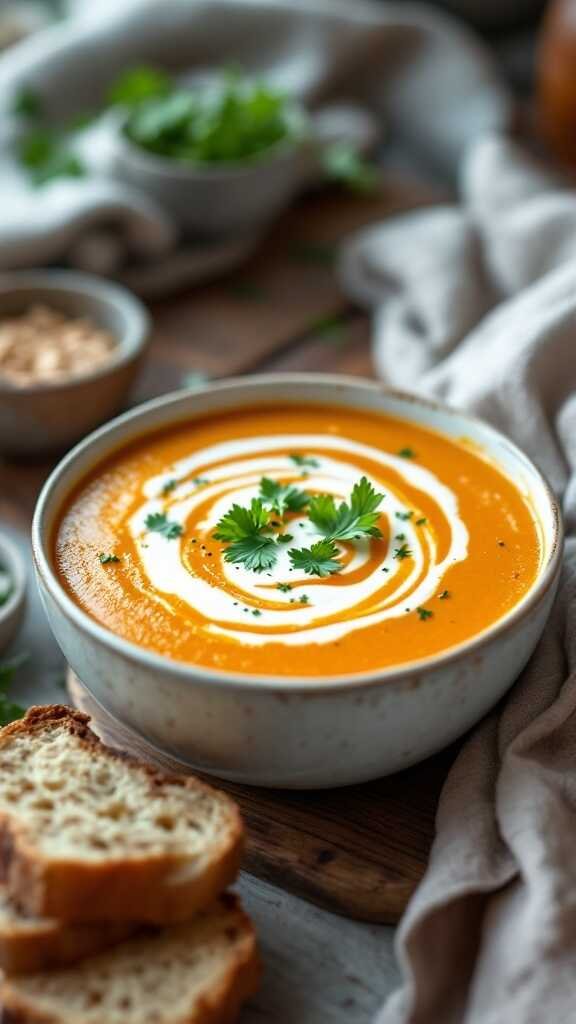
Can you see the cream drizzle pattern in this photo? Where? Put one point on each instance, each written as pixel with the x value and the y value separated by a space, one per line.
pixel 232 471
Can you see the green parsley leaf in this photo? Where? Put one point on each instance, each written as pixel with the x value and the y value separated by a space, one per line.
pixel 402 552
pixel 424 614
pixel 318 560
pixel 256 611
pixel 157 522
pixel 284 587
pixel 304 599
pixel 404 515
pixel 304 460
pixel 348 521
pixel 241 528
pixel 27 103
pixel 284 538
pixel 407 453
pixel 46 157
pixel 107 559
pixel 138 84
pixel 9 711
pixel 344 163
pixel 281 498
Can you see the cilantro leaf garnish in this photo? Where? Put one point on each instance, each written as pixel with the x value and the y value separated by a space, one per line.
pixel 424 614
pixel 402 552
pixel 107 559
pixel 348 521
pixel 304 460
pixel 281 498
pixel 318 560
pixel 242 529
pixel 158 522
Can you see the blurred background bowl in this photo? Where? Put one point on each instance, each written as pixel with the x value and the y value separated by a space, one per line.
pixel 42 418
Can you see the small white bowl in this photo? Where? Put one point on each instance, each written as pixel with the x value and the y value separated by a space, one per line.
pixel 298 732
pixel 12 611
pixel 42 418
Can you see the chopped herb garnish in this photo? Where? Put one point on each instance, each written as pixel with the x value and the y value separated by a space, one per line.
pixel 198 481
pixel 256 611
pixel 304 599
pixel 318 560
pixel 400 536
pixel 421 521
pixel 169 486
pixel 407 453
pixel 444 595
pixel 242 529
pixel 284 587
pixel 281 498
pixel 107 559
pixel 402 552
pixel 158 522
pixel 424 614
pixel 404 515
pixel 347 521
pixel 304 460
pixel 9 711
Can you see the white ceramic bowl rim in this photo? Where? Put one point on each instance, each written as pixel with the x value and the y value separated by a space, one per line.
pixel 12 561
pixel 289 684
pixel 80 285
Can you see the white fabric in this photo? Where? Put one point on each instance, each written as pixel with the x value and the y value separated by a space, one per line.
pixel 477 305
pixel 420 73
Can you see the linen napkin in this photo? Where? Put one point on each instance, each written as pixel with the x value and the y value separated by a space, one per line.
pixel 421 76
pixel 476 305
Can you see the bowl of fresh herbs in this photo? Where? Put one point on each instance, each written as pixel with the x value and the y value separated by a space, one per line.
pixel 225 154
pixel 12 590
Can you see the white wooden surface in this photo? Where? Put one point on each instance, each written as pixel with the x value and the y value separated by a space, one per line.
pixel 319 968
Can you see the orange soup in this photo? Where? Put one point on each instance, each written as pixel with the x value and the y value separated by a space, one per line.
pixel 304 541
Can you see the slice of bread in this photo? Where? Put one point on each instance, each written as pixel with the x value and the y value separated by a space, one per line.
pixel 29 944
pixel 195 973
pixel 87 834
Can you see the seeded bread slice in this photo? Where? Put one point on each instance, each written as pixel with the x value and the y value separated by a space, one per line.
pixel 195 973
pixel 87 834
pixel 29 944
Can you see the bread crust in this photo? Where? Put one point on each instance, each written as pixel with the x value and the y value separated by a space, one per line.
pixel 221 1006
pixel 147 888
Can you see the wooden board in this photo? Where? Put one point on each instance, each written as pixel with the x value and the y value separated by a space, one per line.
pixel 359 851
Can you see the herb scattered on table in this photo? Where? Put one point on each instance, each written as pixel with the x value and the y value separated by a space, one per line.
pixel 158 522
pixel 9 711
pixel 27 103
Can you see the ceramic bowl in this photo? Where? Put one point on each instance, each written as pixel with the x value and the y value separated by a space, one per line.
pixel 12 611
pixel 297 732
pixel 234 199
pixel 48 417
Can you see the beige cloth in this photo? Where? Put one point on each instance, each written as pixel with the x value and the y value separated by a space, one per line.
pixel 423 77
pixel 477 305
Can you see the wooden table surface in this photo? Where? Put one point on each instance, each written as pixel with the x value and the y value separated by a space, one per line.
pixel 284 310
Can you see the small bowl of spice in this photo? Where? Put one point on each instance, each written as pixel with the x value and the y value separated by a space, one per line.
pixel 12 590
pixel 70 347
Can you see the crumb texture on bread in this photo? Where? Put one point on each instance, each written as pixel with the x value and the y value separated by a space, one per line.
pixel 195 973
pixel 89 834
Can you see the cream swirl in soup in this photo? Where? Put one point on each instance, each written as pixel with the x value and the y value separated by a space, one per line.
pixel 449 543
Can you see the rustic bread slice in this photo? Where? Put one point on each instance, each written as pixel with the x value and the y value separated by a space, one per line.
pixel 90 835
pixel 29 944
pixel 195 973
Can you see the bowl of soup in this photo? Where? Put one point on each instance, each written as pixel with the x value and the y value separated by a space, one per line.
pixel 297 580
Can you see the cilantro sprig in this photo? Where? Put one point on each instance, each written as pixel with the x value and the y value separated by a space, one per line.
pixel 281 498
pixel 348 521
pixel 318 560
pixel 158 522
pixel 243 530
